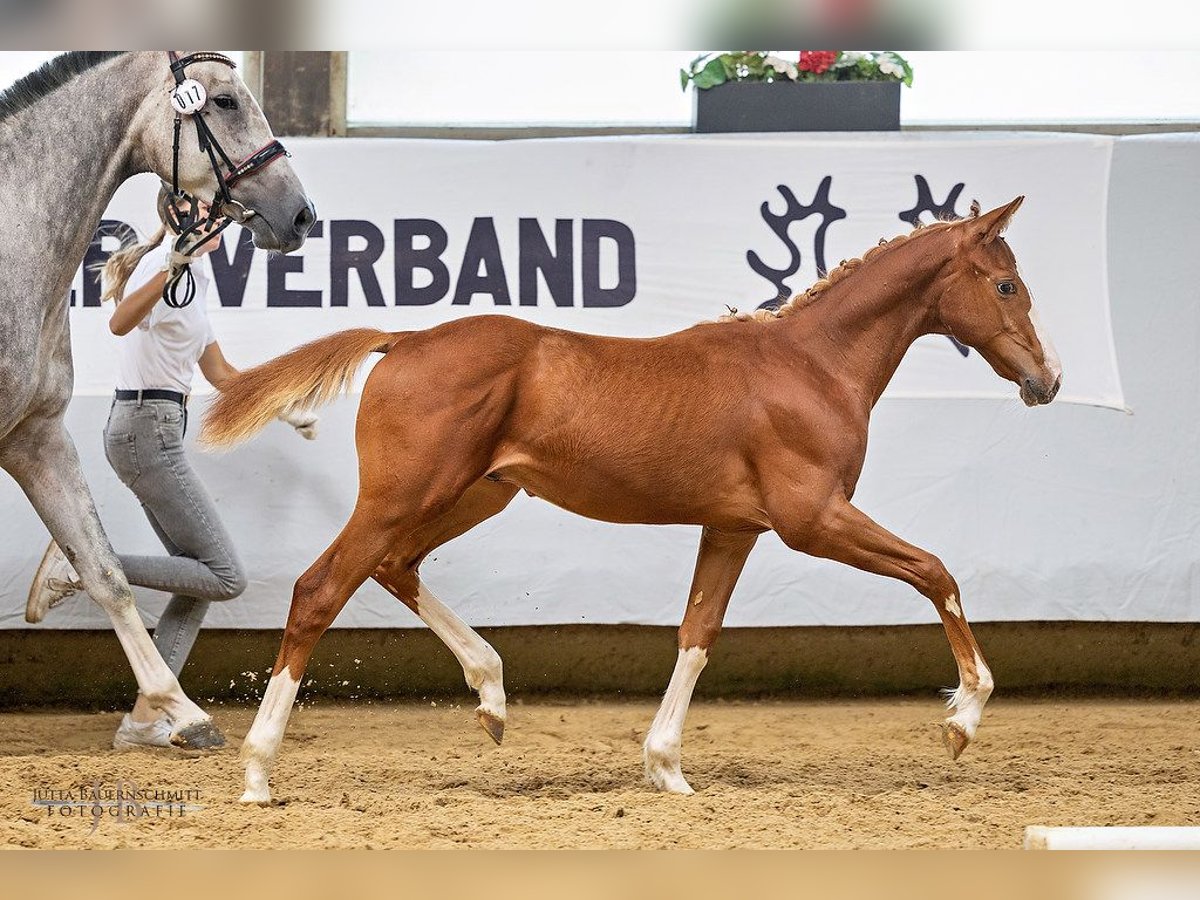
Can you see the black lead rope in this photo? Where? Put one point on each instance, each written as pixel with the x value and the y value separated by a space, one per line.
pixel 192 229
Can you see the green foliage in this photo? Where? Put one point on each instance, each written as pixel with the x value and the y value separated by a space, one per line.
pixel 711 69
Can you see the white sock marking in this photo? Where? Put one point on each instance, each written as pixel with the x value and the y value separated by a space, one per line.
pixel 661 751
pixel 266 734
pixel 968 703
pixel 481 664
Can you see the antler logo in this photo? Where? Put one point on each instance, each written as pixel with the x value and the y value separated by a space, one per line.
pixel 940 211
pixel 926 203
pixel 795 211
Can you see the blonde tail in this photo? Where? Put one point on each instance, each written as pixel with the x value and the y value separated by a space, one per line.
pixel 308 376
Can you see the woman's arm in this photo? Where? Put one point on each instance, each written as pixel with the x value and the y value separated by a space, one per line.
pixel 215 367
pixel 137 305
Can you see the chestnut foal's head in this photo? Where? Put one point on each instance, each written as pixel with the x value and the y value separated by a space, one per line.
pixel 986 306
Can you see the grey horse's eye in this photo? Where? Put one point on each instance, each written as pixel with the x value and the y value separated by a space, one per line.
pixel 225 102
pixel 1008 288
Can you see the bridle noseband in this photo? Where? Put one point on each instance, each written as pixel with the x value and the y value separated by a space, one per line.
pixel 188 98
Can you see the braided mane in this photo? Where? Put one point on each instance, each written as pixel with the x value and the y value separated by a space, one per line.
pixel 839 272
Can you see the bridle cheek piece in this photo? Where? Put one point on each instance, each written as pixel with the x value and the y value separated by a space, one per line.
pixel 188 98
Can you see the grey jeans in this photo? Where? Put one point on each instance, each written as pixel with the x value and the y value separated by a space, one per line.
pixel 143 441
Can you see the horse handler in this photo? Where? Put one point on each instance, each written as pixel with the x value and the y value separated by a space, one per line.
pixel 143 441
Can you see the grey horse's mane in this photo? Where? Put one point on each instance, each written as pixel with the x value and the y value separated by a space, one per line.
pixel 49 78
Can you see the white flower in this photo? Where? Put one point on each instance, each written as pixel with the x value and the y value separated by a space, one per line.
pixel 783 66
pixel 889 65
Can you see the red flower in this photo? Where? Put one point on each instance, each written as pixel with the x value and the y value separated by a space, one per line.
pixel 817 61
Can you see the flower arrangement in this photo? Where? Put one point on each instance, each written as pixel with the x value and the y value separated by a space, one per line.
pixel 711 69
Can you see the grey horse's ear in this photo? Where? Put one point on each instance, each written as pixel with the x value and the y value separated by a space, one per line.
pixel 974 209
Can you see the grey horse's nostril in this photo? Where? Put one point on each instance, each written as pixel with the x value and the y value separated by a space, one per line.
pixel 305 219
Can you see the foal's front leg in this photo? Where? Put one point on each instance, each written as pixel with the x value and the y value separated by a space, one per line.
pixel 845 534
pixel 718 566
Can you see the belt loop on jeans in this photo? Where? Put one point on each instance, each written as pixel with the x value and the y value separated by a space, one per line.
pixel 139 398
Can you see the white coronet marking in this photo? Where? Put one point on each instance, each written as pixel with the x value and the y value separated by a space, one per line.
pixel 266 734
pixel 968 700
pixel 481 664
pixel 953 607
pixel 661 751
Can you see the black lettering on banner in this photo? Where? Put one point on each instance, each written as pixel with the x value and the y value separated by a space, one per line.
pixel 230 276
pixel 483 251
pixel 557 266
pixel 408 259
pixel 342 259
pixel 278 269
pixel 594 294
pixel 112 231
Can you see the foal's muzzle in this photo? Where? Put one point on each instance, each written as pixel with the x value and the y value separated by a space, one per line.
pixel 1038 391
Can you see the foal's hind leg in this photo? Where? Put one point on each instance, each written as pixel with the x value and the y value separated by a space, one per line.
pixel 42 459
pixel 398 573
pixel 847 535
pixel 319 595
pixel 718 566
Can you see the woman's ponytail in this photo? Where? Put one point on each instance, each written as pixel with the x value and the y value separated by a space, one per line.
pixel 115 272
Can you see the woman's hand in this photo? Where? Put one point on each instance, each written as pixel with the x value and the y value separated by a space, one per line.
pixel 302 420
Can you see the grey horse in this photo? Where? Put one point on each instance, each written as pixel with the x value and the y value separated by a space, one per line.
pixel 70 134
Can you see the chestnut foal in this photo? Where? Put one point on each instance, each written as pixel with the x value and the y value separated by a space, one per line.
pixel 743 427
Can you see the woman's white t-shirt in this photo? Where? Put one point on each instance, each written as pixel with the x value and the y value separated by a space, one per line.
pixel 162 351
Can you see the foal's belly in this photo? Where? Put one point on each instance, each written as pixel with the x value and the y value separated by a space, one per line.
pixel 659 496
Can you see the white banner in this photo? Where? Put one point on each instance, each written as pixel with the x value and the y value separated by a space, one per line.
pixel 642 236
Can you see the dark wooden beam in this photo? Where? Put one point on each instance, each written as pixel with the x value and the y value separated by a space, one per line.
pixel 302 92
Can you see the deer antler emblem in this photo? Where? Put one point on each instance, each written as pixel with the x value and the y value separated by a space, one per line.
pixel 794 211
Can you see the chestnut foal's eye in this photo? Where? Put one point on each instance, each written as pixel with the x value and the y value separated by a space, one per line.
pixel 1008 288
pixel 225 102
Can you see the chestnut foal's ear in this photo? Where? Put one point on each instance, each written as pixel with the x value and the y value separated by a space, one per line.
pixel 991 225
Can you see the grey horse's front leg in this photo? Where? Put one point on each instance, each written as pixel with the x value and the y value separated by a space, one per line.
pixel 42 459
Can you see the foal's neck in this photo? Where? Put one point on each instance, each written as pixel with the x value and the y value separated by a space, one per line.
pixel 867 320
pixel 66 155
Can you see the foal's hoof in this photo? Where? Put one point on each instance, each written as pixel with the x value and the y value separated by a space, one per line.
pixel 955 738
pixel 199 736
pixel 490 723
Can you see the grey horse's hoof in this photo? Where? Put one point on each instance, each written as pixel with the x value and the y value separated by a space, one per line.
pixel 199 736
pixel 490 723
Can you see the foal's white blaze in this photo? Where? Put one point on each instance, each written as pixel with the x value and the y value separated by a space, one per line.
pixel 953 607
pixel 481 664
pixel 1048 351
pixel 663 741
pixel 266 734
pixel 967 702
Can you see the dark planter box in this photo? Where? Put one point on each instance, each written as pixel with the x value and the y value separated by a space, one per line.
pixel 787 106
